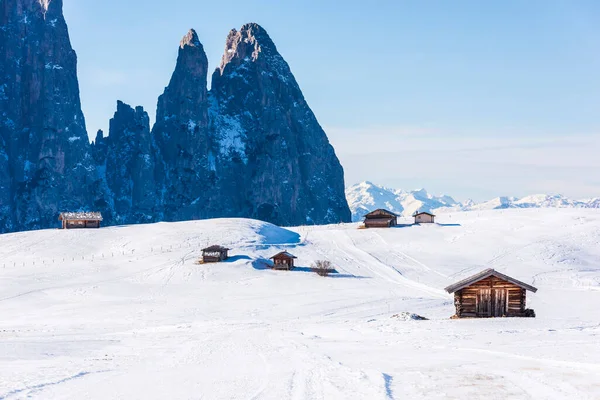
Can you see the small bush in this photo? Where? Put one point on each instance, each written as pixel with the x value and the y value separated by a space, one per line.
pixel 322 267
pixel 529 313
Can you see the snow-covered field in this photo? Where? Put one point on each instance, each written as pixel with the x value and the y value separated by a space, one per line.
pixel 125 313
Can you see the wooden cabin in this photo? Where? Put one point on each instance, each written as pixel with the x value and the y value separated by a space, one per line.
pixel 214 254
pixel 283 260
pixel 490 294
pixel 380 218
pixel 75 220
pixel 424 217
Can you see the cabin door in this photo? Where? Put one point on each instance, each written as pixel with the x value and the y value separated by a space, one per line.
pixel 483 303
pixel 499 302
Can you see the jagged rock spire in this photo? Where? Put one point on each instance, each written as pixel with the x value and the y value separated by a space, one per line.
pixel 295 176
pixel 250 148
pixel 130 165
pixel 187 94
pixel 181 135
pixel 249 43
pixel 190 39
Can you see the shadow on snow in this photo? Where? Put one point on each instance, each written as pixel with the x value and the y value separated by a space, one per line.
pixel 236 258
pixel 264 264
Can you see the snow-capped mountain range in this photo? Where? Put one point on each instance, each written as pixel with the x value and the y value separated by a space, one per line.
pixel 367 196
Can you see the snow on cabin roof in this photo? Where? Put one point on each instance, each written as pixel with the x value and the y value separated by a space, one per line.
pixel 383 211
pixel 284 254
pixel 422 212
pixel 485 274
pixel 216 247
pixel 81 216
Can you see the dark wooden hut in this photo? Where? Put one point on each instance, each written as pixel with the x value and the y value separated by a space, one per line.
pixel 214 254
pixel 75 220
pixel 424 217
pixel 490 294
pixel 283 260
pixel 380 218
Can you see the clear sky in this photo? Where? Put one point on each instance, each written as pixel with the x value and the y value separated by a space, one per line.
pixel 470 98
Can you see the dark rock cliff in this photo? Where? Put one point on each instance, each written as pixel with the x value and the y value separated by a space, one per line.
pixel 45 163
pixel 127 162
pixel 184 173
pixel 251 147
pixel 291 173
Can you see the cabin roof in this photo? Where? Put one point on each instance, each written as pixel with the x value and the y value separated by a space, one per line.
pixel 485 274
pixel 215 247
pixel 284 254
pixel 80 216
pixel 383 210
pixel 423 212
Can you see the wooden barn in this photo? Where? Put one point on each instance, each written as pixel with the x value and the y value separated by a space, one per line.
pixel 424 218
pixel 380 218
pixel 490 294
pixel 214 254
pixel 283 260
pixel 75 220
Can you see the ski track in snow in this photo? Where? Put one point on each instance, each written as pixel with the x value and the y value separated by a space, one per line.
pixel 126 313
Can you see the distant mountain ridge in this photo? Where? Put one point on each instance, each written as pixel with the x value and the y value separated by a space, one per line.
pixel 367 196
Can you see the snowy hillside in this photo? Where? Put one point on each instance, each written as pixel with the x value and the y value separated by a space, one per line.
pixel 126 313
pixel 366 196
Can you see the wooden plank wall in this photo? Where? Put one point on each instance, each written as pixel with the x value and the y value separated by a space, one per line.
pixel 378 223
pixel 465 300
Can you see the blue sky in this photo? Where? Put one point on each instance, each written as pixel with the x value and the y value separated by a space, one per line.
pixel 470 98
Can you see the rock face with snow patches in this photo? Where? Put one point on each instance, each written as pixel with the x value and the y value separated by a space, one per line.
pixel 181 133
pixel 127 159
pixel 251 147
pixel 284 167
pixel 45 163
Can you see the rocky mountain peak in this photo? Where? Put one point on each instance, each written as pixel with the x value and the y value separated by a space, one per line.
pixel 190 39
pixel 181 135
pixel 262 119
pixel 251 148
pixel 129 161
pixel 186 95
pixel 249 44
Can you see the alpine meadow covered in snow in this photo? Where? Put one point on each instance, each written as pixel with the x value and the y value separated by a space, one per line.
pixel 215 249
pixel 126 312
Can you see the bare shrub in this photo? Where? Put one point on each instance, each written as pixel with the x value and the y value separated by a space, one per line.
pixel 322 267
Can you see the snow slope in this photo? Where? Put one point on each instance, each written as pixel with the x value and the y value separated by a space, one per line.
pixel 366 196
pixel 125 313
